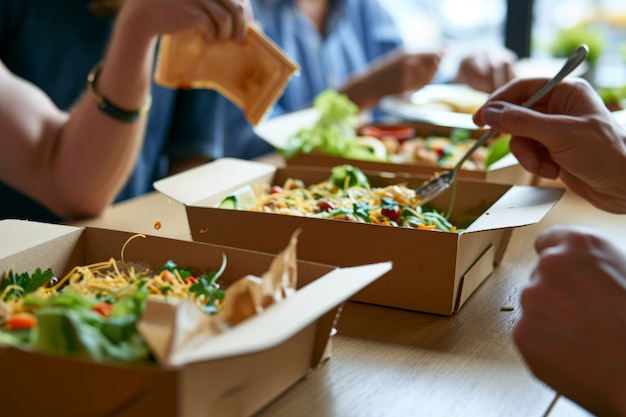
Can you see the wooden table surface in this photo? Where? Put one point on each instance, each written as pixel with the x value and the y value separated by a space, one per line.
pixel 389 362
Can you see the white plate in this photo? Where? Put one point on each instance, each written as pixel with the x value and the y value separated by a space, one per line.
pixel 452 105
pixel 544 67
pixel 277 131
pixel 437 104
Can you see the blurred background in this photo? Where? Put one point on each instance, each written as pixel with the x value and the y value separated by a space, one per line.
pixel 537 29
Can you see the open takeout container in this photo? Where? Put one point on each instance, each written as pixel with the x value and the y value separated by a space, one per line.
pixel 433 271
pixel 234 374
pixel 277 130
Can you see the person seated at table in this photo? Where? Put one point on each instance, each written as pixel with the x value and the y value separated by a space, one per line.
pixel 355 47
pixel 572 330
pixel 54 45
pixel 74 163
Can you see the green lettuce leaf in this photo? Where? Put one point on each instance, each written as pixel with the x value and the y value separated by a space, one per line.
pixel 333 133
pixel 498 149
pixel 83 333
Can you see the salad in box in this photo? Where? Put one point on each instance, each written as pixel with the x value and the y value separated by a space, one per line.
pixel 333 133
pixel 140 335
pixel 434 270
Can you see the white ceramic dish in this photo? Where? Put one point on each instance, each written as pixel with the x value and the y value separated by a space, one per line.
pixel 447 105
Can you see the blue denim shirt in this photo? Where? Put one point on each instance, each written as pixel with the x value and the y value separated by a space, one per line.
pixel 54 44
pixel 358 31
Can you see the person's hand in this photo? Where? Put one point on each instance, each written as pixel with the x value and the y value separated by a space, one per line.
pixel 572 330
pixel 217 20
pixel 486 70
pixel 569 134
pixel 395 73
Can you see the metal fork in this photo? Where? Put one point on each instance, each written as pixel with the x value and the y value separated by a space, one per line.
pixel 440 182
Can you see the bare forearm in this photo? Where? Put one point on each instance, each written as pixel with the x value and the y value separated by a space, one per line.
pixel 89 173
pixel 76 163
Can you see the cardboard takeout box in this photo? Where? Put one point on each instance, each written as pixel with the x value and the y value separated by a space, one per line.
pixel 433 271
pixel 239 371
pixel 276 131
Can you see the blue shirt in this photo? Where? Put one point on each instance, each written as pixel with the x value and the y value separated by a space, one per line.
pixel 358 32
pixel 54 44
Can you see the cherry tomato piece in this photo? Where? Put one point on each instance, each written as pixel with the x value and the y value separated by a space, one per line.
pixel 104 309
pixel 276 189
pixel 191 280
pixel 392 213
pixel 400 132
pixel 325 205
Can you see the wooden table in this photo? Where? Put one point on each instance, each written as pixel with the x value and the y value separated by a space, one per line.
pixel 388 362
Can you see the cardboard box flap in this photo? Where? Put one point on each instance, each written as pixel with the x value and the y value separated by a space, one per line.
pixel 285 319
pixel 19 235
pixel 519 206
pixel 219 179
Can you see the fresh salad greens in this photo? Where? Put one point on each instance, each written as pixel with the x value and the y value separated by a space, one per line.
pixel 346 195
pixel 24 283
pixel 204 287
pixel 345 176
pixel 498 149
pixel 98 325
pixel 335 134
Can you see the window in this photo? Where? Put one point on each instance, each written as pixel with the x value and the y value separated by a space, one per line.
pixel 460 25
pixel 606 17
pixel 464 25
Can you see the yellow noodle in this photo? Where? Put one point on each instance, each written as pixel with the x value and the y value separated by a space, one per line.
pixel 108 278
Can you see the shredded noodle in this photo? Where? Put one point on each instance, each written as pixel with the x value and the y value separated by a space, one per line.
pixel 354 203
pixel 112 278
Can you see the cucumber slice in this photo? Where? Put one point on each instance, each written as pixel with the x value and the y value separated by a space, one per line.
pixel 240 200
pixel 229 202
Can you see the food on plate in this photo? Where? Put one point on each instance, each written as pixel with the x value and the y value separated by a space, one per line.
pixel 448 97
pixel 94 311
pixel 434 150
pixel 336 133
pixel 346 195
pixel 399 132
pixel 251 74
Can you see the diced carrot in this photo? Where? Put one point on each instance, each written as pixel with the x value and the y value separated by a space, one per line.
pixel 191 280
pixel 168 276
pixel 375 220
pixel 103 308
pixel 20 321
pixel 426 227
